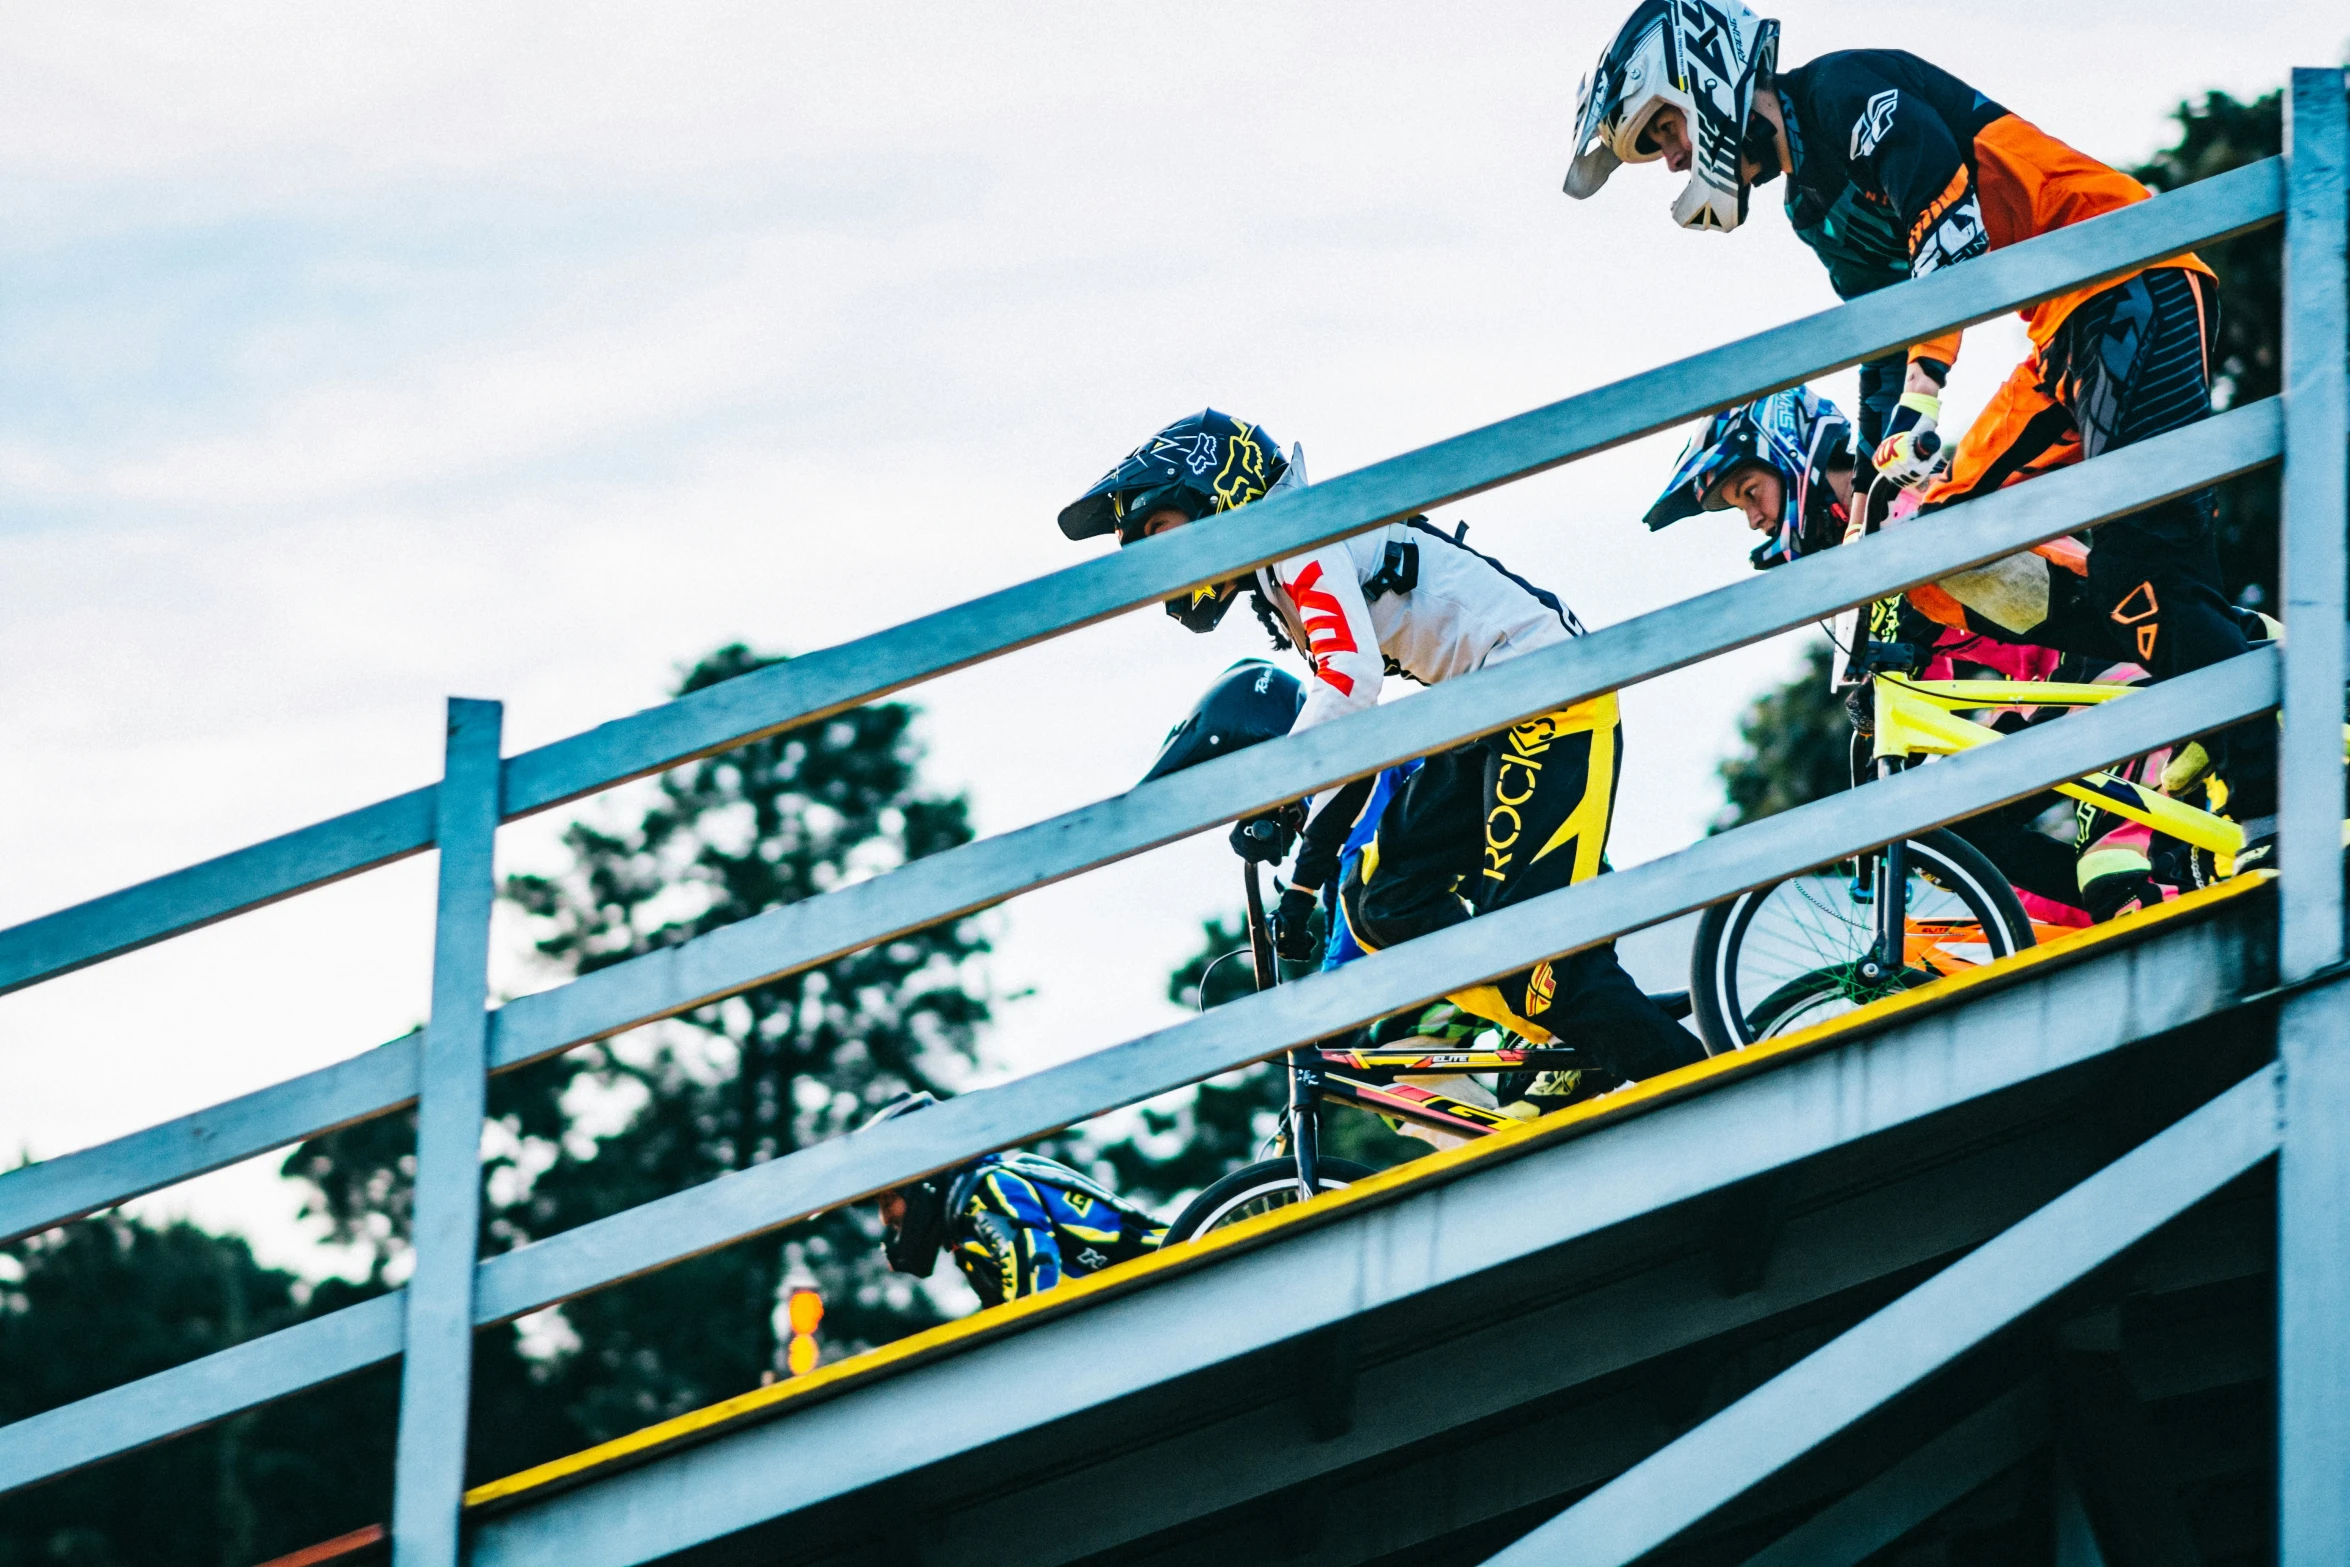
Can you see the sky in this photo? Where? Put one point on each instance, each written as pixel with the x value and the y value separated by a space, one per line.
pixel 351 359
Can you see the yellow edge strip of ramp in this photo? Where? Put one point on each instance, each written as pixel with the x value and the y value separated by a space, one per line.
pixel 1575 1120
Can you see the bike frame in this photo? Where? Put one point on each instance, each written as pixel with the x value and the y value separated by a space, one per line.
pixel 1312 1082
pixel 1920 718
pixel 1916 718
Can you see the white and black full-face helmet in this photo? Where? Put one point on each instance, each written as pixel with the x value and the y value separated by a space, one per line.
pixel 1704 58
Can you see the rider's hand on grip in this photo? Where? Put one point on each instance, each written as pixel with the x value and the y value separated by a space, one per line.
pixel 1860 705
pixel 1911 452
pixel 1295 933
pixel 1267 839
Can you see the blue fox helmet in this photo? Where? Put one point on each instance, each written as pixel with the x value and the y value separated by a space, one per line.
pixel 1250 703
pixel 1798 434
pixel 1208 463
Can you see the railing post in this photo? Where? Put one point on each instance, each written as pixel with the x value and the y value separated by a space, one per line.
pixel 436 1378
pixel 2313 1030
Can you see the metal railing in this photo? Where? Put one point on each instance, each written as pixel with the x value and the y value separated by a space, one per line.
pixel 443 1068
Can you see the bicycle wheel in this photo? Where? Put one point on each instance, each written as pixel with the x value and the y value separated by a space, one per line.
pixel 1786 956
pixel 1253 1189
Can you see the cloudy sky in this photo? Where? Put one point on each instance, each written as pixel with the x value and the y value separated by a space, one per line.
pixel 350 359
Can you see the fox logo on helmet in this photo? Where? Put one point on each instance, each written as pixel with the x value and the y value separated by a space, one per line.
pixel 1201 465
pixel 1196 452
pixel 1875 120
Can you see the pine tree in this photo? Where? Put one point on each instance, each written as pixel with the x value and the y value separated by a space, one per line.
pixel 715 1091
pixel 105 1300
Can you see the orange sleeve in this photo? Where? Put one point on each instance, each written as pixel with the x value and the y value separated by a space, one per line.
pixel 2031 183
pixel 1945 347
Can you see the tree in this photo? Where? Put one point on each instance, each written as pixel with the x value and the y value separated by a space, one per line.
pixel 1794 747
pixel 1794 738
pixel 724 1087
pixel 106 1300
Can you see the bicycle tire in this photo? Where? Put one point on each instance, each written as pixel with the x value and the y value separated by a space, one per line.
pixel 1726 1023
pixel 1253 1189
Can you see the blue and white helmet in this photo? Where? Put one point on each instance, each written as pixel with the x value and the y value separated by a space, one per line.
pixel 1702 57
pixel 1797 432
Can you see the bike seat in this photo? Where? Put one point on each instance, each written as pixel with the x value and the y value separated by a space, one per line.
pixel 1675 1003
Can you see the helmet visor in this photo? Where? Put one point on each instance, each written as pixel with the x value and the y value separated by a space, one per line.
pixel 1134 508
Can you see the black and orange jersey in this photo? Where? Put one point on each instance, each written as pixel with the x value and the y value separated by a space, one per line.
pixel 1902 169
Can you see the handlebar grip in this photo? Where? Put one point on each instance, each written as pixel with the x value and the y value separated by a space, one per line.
pixel 1927 443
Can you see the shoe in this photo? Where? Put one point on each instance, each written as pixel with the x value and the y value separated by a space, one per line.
pixel 2111 897
pixel 1531 1094
pixel 2258 854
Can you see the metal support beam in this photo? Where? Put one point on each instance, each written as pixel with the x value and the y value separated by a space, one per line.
pixel 1986 1444
pixel 845 1170
pixel 2313 1032
pixel 436 1375
pixel 1912 1338
pixel 2315 552
pixel 1424 1400
pixel 839 677
pixel 2114 1462
pixel 1383 1263
pixel 2076 1538
pixel 60 1190
pixel 816 930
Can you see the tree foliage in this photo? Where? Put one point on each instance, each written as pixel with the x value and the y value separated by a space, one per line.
pixel 1794 746
pixel 721 1088
pixel 106 1300
pixel 746 1080
pixel 576 1138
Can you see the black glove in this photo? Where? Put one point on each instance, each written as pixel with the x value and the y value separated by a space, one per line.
pixel 1860 705
pixel 1267 839
pixel 1297 933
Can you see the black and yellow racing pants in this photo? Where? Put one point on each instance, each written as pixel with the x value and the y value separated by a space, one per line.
pixel 1502 819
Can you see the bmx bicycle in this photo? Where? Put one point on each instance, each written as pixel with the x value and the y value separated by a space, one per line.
pixel 1782 957
pixel 1406 1081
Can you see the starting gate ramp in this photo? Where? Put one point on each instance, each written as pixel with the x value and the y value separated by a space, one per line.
pixel 1430 1364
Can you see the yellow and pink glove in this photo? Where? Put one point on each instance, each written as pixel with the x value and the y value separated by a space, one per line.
pixel 1912 451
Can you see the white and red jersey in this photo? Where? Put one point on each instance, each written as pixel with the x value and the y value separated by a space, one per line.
pixel 1404 599
pixel 1347 610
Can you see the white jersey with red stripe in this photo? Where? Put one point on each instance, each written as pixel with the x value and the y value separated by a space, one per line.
pixel 1461 611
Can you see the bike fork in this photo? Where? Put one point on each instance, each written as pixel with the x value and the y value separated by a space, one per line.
pixel 1305 1124
pixel 1888 956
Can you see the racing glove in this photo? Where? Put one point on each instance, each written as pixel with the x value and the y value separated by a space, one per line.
pixel 2187 767
pixel 1912 451
pixel 1295 933
pixel 1267 839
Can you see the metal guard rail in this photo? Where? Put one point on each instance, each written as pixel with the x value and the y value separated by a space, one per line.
pixel 811 1180
pixel 834 678
pixel 987 871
